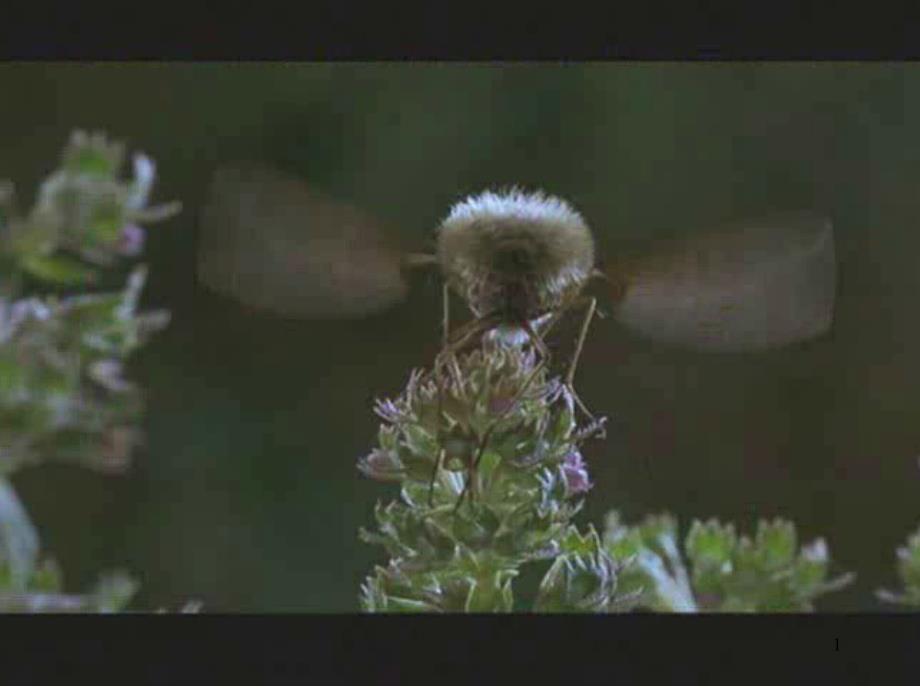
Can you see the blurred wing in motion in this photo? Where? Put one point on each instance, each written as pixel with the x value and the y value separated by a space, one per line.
pixel 273 243
pixel 760 286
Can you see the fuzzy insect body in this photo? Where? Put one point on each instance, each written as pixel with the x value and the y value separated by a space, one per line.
pixel 514 255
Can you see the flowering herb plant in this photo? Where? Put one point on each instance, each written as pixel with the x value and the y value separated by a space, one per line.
pixel 459 532
pixel 63 393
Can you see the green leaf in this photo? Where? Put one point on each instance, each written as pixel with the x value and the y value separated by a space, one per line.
pixel 488 464
pixel 420 442
pixel 582 579
pixel 564 423
pixel 402 605
pixel 776 543
pixel 18 538
pixel 909 561
pixel 507 596
pixel 811 568
pixel 92 154
pixel 58 269
pixel 105 222
pixel 908 568
pixel 709 544
pixel 47 577
pixel 553 588
pixel 114 592
pixel 89 162
pixel 490 594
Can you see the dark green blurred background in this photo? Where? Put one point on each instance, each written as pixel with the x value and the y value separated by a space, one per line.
pixel 247 495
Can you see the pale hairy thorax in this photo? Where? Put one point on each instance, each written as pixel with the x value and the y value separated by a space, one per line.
pixel 528 243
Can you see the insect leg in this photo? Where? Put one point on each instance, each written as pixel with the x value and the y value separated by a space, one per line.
pixel 445 296
pixel 462 337
pixel 554 319
pixel 589 315
pixel 570 376
pixel 537 340
pixel 445 337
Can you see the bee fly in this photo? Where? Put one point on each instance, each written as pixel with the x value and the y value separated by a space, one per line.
pixel 519 261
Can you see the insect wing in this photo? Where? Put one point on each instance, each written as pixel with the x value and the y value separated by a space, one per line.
pixel 273 243
pixel 763 285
